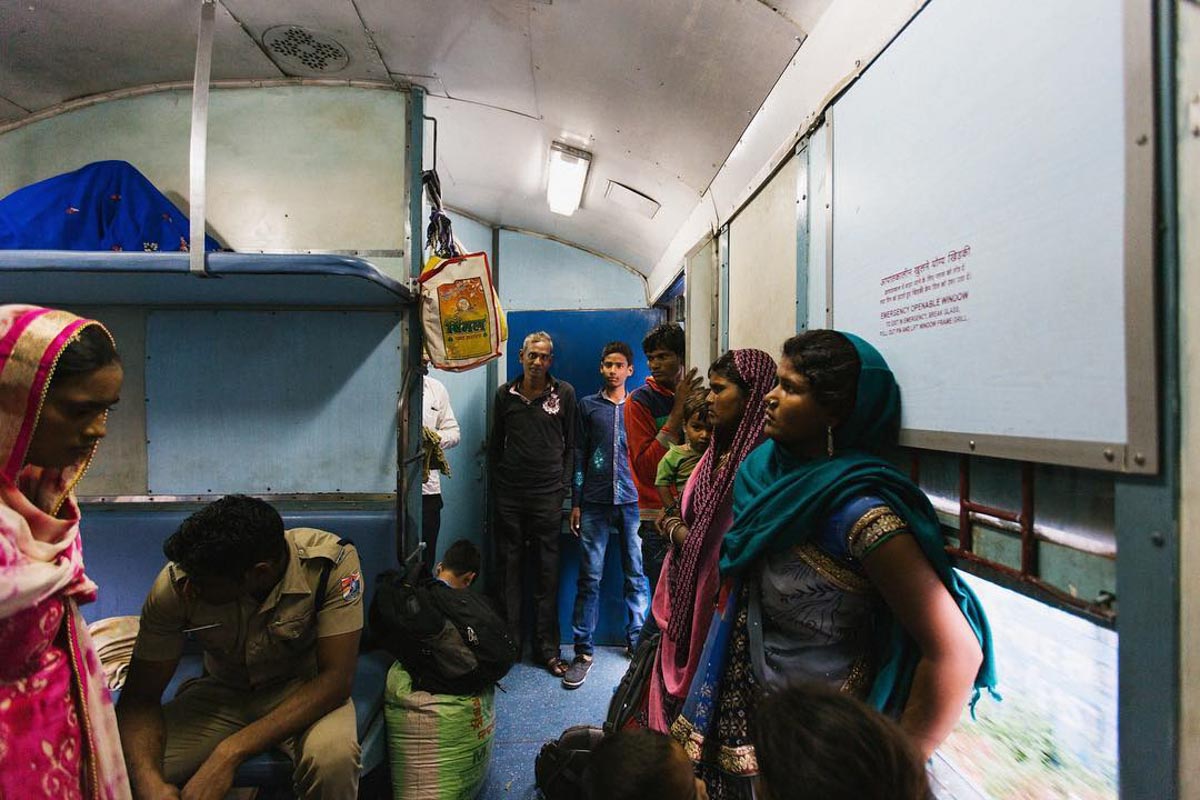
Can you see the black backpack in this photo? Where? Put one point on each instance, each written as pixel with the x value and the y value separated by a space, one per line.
pixel 560 765
pixel 451 641
pixel 630 694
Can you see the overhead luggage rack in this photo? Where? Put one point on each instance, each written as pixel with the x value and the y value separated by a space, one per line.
pixel 309 280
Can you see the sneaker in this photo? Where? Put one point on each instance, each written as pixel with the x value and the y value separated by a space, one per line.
pixel 577 672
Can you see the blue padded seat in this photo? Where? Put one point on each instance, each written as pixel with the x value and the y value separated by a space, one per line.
pixel 122 549
pixel 123 555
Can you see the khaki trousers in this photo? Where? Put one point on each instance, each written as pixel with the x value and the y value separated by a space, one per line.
pixel 326 757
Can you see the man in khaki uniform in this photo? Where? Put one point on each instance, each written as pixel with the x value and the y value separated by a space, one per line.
pixel 279 657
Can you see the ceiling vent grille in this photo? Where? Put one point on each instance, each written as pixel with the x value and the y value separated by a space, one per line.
pixel 298 50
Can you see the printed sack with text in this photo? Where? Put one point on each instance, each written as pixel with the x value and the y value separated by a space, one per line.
pixel 459 313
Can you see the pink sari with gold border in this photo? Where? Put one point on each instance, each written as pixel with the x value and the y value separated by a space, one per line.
pixel 58 733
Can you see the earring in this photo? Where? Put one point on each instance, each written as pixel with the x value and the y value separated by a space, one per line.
pixel 829 440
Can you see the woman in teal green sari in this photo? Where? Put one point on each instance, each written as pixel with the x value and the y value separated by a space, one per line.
pixel 835 569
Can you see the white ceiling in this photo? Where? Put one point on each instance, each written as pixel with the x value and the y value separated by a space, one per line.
pixel 658 90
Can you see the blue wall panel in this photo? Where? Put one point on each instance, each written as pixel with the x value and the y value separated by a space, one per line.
pixel 473 235
pixel 124 547
pixel 539 274
pixel 578 338
pixel 464 512
pixel 463 490
pixel 272 402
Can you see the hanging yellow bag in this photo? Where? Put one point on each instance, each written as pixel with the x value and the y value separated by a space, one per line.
pixel 460 313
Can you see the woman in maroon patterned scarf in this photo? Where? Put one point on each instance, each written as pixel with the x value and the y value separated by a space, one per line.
pixel 683 606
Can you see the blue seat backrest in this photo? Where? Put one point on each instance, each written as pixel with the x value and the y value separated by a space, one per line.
pixel 122 549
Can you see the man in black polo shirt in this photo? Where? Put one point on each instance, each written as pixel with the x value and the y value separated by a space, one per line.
pixel 532 463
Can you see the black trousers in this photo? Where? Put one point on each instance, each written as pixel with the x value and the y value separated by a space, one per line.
pixel 654 551
pixel 431 523
pixel 529 526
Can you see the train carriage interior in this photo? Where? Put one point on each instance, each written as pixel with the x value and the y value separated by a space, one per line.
pixel 1000 197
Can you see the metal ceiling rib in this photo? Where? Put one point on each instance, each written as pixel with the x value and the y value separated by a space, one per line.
pixel 658 91
pixel 57 50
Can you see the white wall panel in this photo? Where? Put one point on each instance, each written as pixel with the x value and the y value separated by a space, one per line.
pixel 289 167
pixel 981 243
pixel 762 266
pixel 700 291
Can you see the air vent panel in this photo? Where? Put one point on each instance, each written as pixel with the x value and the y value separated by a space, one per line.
pixel 632 199
pixel 299 51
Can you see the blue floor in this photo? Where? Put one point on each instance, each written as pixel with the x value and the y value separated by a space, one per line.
pixel 535 709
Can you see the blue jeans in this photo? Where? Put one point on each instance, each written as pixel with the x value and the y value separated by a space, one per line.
pixel 599 522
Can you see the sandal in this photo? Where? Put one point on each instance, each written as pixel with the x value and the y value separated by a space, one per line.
pixel 557 666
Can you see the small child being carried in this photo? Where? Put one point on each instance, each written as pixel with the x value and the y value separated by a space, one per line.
pixel 680 460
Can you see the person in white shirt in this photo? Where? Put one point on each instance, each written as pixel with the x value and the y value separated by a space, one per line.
pixel 437 416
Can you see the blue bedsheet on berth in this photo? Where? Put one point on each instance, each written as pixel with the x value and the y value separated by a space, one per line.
pixel 107 205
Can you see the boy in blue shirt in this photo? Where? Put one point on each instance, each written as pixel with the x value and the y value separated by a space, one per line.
pixel 604 503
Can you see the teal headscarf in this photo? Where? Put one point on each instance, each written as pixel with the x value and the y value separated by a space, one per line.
pixel 779 501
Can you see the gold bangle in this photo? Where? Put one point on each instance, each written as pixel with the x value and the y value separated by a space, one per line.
pixel 673 528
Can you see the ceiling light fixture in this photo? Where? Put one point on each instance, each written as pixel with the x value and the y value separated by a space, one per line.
pixel 568 174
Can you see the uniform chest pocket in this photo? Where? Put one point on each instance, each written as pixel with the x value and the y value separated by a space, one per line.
pixel 215 637
pixel 294 629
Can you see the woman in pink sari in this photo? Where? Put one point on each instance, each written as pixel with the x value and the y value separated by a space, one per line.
pixel 684 603
pixel 59 375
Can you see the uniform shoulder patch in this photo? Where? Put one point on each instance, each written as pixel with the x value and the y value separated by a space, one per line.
pixel 351 586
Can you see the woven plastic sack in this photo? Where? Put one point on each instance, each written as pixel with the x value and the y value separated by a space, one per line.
pixel 439 745
pixel 460 313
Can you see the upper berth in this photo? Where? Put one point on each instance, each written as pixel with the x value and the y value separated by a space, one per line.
pixel 60 277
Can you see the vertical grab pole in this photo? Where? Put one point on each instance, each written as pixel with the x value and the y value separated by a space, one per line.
pixel 802 234
pixel 409 533
pixel 965 538
pixel 492 380
pixel 198 156
pixel 1030 566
